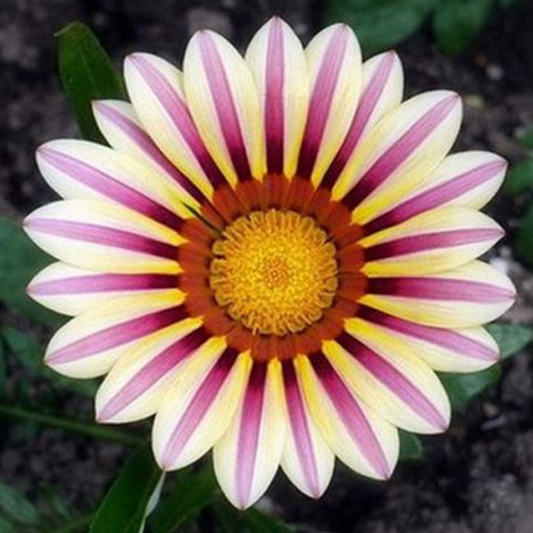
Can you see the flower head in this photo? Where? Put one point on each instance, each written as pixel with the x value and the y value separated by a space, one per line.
pixel 272 257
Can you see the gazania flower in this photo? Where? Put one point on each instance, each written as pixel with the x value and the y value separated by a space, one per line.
pixel 273 257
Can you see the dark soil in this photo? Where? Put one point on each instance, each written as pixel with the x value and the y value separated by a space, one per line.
pixel 478 478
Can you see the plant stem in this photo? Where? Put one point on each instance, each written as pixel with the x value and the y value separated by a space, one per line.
pixel 84 428
pixel 76 524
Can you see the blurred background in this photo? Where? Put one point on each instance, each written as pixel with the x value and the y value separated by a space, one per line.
pixel 478 478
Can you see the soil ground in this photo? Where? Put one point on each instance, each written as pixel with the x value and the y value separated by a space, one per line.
pixel 478 478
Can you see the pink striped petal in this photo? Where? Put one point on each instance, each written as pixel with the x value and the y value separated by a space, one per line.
pixel 277 61
pixel 104 237
pixel 89 344
pixel 467 296
pixel 389 377
pixel 399 152
pixel 72 290
pixel 435 241
pixel 468 179
pixel 335 71
pixel 307 459
pixel 382 91
pixel 139 379
pixel 155 89
pixel 362 440
pixel 223 99
pixel 79 169
pixel 124 132
pixel 445 350
pixel 247 457
pixel 198 408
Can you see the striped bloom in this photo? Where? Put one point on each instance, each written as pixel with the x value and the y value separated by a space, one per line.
pixel 273 256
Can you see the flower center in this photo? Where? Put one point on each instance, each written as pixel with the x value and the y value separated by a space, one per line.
pixel 275 272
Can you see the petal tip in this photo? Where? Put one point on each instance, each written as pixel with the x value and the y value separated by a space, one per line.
pixel 136 60
pixel 98 105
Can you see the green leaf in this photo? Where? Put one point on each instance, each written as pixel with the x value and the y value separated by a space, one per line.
pixel 526 138
pixel 78 524
pixel 30 353
pixel 126 505
pixel 380 24
pixel 56 503
pixel 192 493
pixel 16 508
pixel 462 388
pixel 87 74
pixel 511 338
pixel 96 431
pixel 252 521
pixel 7 527
pixel 258 522
pixel 17 267
pixel 457 22
pixel 411 447
pixel 520 178
pixel 524 239
pixel 2 369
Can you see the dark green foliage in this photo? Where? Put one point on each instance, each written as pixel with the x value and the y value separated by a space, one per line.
pixel 87 74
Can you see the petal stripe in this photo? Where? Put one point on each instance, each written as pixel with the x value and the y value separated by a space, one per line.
pixel 439 289
pixel 177 111
pixel 225 106
pixel 321 101
pixel 352 415
pixel 399 384
pixel 444 338
pixel 429 241
pixel 146 145
pixel 249 431
pixel 110 187
pixel 436 196
pixel 199 405
pixel 103 283
pixel 367 103
pixel 106 236
pixel 154 371
pixel 300 427
pixel 274 120
pixel 396 154
pixel 117 335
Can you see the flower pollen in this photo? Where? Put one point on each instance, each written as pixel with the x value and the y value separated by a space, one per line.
pixel 275 272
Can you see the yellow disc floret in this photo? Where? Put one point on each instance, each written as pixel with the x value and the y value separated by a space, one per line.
pixel 275 272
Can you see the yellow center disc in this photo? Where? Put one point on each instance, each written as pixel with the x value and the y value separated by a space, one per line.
pixel 275 272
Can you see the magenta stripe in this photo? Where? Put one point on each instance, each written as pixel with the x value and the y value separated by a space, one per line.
pixel 202 401
pixel 437 196
pixel 367 105
pixel 351 415
pixel 109 186
pixel 394 380
pixel 250 424
pixel 321 100
pixel 300 429
pixel 143 142
pixel 178 113
pixel 274 99
pixel 118 335
pixel 427 242
pixel 226 110
pixel 94 283
pixel 456 290
pixel 444 338
pixel 155 370
pixel 400 151
pixel 102 235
